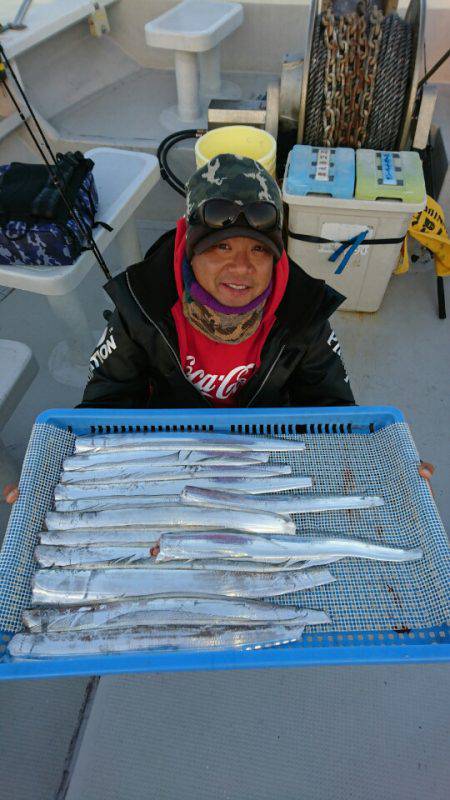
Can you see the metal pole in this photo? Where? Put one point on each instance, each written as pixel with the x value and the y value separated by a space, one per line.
pixel 17 23
pixel 434 69
pixel 429 185
pixel 441 298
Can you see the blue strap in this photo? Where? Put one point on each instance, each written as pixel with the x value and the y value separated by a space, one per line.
pixel 351 245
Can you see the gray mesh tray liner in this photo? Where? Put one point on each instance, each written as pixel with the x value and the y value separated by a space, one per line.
pixel 366 596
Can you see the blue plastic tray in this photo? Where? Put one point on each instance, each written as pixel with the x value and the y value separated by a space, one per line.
pixel 380 613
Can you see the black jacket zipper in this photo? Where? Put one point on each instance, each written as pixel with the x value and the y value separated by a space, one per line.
pixel 171 348
pixel 178 362
pixel 267 376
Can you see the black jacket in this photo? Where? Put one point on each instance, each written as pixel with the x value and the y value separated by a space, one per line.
pixel 137 365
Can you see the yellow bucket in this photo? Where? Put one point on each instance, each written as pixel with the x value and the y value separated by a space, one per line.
pixel 241 140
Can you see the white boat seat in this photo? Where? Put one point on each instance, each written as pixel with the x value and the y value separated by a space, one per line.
pixel 43 20
pixel 190 28
pixel 123 179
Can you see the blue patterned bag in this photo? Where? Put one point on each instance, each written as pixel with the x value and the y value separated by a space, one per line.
pixel 36 227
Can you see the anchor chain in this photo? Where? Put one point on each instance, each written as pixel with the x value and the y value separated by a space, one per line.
pixel 358 78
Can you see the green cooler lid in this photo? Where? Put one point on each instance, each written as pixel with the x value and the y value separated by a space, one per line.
pixel 389 176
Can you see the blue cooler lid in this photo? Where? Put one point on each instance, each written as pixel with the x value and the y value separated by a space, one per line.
pixel 321 170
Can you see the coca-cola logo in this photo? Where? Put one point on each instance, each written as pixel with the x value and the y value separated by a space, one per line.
pixel 219 387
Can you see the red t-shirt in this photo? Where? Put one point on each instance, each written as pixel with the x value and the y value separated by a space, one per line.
pixel 216 369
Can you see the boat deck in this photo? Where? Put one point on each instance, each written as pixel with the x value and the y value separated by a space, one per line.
pixel 95 117
pixel 381 729
pixel 326 732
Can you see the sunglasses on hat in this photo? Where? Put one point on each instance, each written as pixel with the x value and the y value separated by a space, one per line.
pixel 216 213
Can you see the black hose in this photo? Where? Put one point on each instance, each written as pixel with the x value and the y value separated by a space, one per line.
pixel 166 173
pixel 170 141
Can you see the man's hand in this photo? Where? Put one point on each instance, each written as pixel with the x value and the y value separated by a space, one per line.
pixel 426 470
pixel 10 493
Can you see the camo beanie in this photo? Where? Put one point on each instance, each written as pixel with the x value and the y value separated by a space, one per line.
pixel 241 180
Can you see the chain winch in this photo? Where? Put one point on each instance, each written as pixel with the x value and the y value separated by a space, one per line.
pixel 360 74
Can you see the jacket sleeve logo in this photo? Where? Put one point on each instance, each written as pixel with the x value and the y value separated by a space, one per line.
pixel 104 349
pixel 333 342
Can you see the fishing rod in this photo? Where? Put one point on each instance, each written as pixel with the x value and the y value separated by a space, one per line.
pixel 53 168
pixel 434 68
pixel 17 24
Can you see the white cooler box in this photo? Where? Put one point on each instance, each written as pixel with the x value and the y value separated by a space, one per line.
pixel 364 278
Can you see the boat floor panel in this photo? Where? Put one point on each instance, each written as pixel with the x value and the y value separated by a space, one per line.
pixel 141 97
pixel 336 732
pixel 37 722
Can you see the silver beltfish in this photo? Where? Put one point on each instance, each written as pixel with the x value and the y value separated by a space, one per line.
pixel 93 557
pixel 236 565
pixel 105 537
pixel 169 611
pixel 78 587
pixel 126 473
pixel 49 645
pixel 106 503
pixel 161 458
pixel 68 550
pixel 133 473
pixel 140 555
pixel 285 504
pixel 176 516
pixel 148 487
pixel 273 549
pixel 184 441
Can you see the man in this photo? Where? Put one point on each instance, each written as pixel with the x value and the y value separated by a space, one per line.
pixel 216 314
